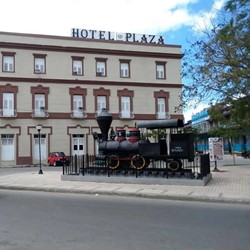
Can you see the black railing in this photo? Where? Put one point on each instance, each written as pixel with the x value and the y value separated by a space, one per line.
pixel 156 167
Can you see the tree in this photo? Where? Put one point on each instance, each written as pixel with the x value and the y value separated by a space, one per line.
pixel 217 66
pixel 233 120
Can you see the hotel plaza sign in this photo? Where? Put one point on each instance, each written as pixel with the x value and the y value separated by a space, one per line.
pixel 107 35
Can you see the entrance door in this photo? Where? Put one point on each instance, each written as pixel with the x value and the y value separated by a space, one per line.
pixel 43 147
pixel 7 147
pixel 77 142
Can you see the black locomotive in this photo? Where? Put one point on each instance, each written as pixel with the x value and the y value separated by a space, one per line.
pixel 136 151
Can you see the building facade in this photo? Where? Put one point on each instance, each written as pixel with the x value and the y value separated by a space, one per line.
pixel 204 124
pixel 61 83
pixel 201 121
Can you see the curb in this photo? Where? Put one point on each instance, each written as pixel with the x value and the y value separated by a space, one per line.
pixel 129 194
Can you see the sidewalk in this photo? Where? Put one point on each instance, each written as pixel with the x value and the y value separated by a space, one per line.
pixel 230 184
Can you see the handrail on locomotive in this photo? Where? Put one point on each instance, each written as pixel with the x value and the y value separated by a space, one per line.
pixel 132 150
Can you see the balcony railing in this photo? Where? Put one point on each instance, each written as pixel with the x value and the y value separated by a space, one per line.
pixel 8 113
pixel 97 113
pixel 78 114
pixel 42 113
pixel 126 115
pixel 162 115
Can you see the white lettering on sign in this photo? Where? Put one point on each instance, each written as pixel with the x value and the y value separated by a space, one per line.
pixel 126 37
pixel 177 149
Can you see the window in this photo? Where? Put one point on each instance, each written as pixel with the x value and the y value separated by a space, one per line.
pixel 101 69
pixel 125 103
pixel 78 106
pixel 101 103
pixel 162 105
pixel 160 70
pixel 101 99
pixel 78 102
pixel 8 63
pixel 39 104
pixel 8 104
pixel 8 95
pixel 124 68
pixel 39 101
pixel 77 65
pixel 8 60
pixel 39 64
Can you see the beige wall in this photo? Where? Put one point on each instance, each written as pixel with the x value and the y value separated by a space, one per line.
pixel 59 66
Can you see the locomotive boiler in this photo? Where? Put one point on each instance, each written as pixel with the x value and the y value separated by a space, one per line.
pixel 122 150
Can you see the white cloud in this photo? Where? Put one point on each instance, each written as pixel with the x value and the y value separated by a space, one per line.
pixel 57 17
pixel 203 20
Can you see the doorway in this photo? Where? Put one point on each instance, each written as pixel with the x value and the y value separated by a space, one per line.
pixel 78 144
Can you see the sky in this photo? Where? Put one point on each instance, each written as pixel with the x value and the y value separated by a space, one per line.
pixel 178 21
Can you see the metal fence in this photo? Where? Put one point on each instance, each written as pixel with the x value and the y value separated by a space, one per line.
pixel 159 167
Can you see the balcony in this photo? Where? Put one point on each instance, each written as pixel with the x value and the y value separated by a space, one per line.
pixel 162 115
pixel 126 115
pixel 41 113
pixel 78 114
pixel 8 113
pixel 97 113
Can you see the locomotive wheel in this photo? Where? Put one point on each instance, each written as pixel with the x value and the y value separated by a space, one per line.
pixel 174 165
pixel 138 162
pixel 113 162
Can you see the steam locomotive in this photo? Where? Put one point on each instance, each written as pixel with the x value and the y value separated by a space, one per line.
pixel 121 150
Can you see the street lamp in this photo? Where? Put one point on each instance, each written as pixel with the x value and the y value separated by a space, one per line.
pixel 39 128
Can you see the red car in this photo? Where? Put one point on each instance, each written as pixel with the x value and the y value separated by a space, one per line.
pixel 58 159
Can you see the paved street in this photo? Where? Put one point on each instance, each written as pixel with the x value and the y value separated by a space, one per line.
pixel 230 184
pixel 41 220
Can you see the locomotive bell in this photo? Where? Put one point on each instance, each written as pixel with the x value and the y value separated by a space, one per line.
pixel 104 120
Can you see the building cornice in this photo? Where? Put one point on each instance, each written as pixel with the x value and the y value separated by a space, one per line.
pixel 85 50
pixel 90 82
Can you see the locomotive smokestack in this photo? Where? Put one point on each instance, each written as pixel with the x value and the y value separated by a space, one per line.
pixel 104 120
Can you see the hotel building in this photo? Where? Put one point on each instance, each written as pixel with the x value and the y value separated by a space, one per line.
pixel 61 83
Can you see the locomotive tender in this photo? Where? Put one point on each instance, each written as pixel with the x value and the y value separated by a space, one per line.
pixel 136 152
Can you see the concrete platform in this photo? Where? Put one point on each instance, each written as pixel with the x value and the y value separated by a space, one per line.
pixel 139 180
